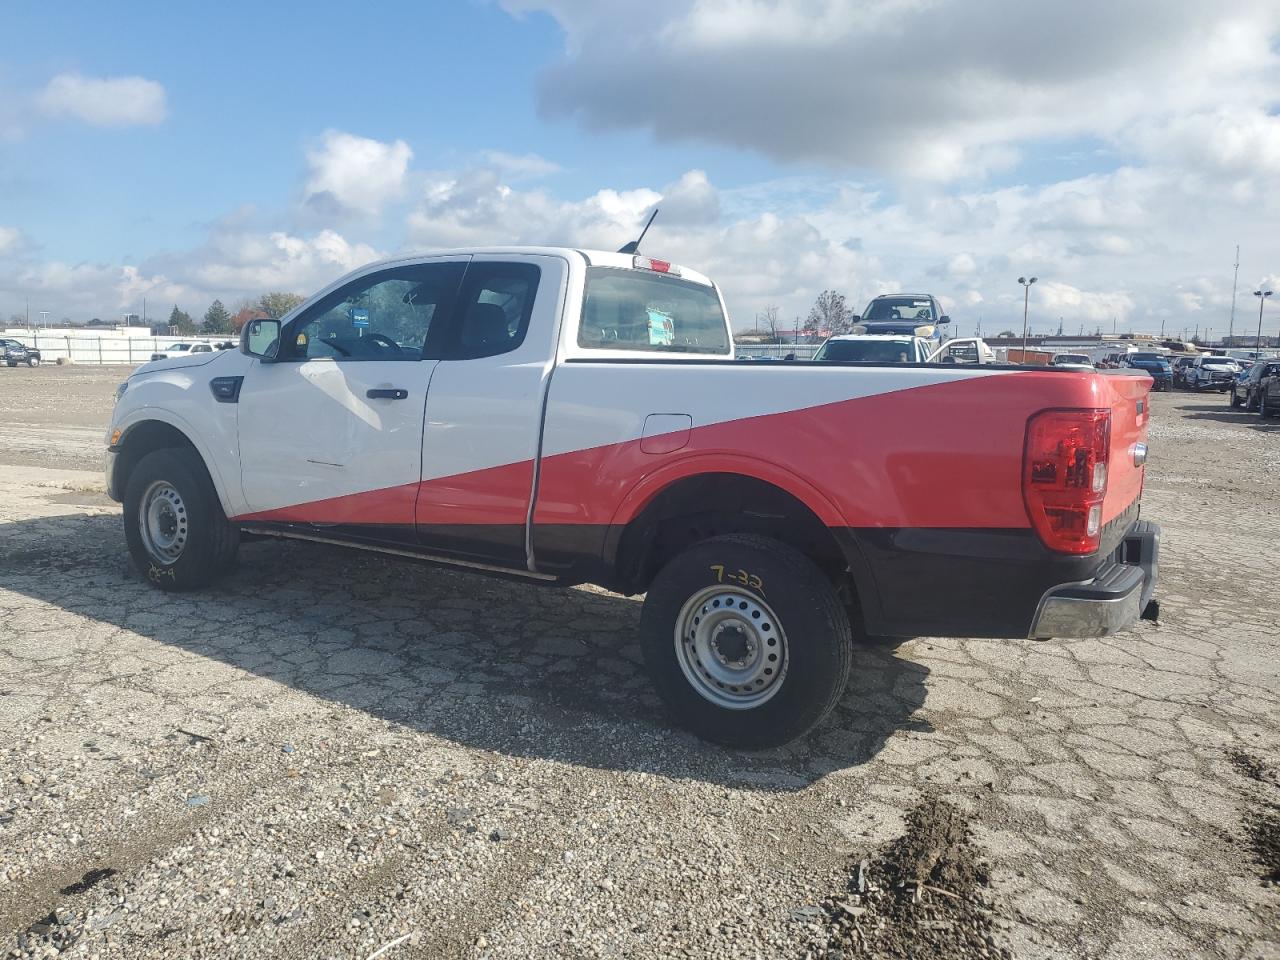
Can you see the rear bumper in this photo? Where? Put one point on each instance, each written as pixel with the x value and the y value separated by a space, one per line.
pixel 1112 601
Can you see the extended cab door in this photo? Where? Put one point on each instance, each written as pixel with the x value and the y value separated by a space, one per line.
pixel 331 432
pixel 484 409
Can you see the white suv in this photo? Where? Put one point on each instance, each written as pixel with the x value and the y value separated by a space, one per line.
pixel 1212 373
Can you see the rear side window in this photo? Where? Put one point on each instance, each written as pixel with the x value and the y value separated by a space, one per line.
pixel 493 309
pixel 651 312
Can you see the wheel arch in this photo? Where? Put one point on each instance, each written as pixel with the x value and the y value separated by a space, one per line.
pixel 151 433
pixel 682 505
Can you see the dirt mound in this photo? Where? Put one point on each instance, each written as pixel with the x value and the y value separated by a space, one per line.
pixel 923 898
pixel 1248 765
pixel 1263 829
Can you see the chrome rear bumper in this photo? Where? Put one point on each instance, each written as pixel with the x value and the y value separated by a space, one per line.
pixel 1116 599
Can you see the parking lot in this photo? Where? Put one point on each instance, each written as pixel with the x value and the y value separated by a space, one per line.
pixel 330 753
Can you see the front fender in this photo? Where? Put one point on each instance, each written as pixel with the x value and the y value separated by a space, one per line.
pixel 181 398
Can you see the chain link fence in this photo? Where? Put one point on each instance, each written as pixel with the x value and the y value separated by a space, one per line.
pixel 101 350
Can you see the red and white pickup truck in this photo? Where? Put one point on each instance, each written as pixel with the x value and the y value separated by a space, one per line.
pixel 570 416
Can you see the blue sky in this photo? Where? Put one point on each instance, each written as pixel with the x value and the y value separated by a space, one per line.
pixel 183 153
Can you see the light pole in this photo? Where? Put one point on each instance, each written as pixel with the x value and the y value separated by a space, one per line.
pixel 1026 297
pixel 1257 344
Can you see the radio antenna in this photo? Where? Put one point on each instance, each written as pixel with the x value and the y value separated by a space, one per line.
pixel 634 245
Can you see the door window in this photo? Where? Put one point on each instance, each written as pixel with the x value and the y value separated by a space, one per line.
pixel 493 309
pixel 388 315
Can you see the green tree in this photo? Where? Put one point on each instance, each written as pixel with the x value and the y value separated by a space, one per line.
pixel 276 305
pixel 181 321
pixel 216 319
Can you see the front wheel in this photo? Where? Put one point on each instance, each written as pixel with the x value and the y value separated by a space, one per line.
pixel 1235 398
pixel 33 361
pixel 746 641
pixel 173 523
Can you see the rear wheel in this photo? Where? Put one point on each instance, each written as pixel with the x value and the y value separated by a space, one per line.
pixel 177 534
pixel 746 640
pixel 1235 398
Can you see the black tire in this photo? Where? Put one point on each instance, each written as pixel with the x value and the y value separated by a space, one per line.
pixel 1235 399
pixel 1264 410
pixel 33 361
pixel 1250 402
pixel 210 542
pixel 815 634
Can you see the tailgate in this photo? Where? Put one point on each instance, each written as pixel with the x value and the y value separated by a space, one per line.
pixel 1129 399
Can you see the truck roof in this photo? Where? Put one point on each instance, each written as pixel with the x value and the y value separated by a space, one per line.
pixel 597 258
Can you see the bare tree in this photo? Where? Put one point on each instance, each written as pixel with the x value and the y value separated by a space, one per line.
pixel 767 319
pixel 829 315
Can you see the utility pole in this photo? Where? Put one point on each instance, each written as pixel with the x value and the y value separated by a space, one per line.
pixel 1262 298
pixel 1162 329
pixel 1026 298
pixel 1231 325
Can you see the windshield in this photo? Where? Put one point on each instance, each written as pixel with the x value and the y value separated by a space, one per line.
pixel 870 351
pixel 1071 358
pixel 917 309
pixel 640 310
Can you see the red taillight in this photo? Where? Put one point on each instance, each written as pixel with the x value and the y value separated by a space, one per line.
pixel 1064 477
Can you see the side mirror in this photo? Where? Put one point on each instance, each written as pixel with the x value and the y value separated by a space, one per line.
pixel 789 356
pixel 261 339
pixel 944 319
pixel 856 318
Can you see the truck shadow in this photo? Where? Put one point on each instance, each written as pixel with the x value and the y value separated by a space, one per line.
pixel 520 669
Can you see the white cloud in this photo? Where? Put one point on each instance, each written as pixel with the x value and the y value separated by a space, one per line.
pixel 104 101
pixel 926 89
pixel 10 239
pixel 350 174
pixel 523 166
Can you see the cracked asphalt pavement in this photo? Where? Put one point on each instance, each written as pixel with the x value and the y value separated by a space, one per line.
pixel 331 752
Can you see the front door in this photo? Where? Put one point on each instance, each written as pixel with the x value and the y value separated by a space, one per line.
pixel 331 432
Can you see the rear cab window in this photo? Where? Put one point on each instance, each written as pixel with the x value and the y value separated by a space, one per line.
pixel 642 311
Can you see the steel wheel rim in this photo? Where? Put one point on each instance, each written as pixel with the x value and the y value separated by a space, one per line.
pixel 163 522
pixel 731 647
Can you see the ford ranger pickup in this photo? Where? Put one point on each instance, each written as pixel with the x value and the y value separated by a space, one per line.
pixel 568 416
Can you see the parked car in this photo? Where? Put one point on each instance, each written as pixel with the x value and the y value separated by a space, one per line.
pixel 963 350
pixel 561 416
pixel 1269 392
pixel 873 348
pixel 1155 365
pixel 1180 367
pixel 182 350
pixel 913 314
pixel 1212 373
pixel 15 352
pixel 1246 389
pixel 1072 361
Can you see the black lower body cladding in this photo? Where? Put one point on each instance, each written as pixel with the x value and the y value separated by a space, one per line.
pixel 970 582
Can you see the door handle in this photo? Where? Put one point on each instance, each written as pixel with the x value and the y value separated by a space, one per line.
pixel 386 393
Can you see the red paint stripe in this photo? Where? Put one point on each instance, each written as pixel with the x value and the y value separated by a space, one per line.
pixel 945 455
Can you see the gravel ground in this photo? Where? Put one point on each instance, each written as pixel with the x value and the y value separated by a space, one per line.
pixel 331 752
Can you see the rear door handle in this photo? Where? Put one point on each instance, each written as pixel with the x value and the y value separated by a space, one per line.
pixel 386 393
